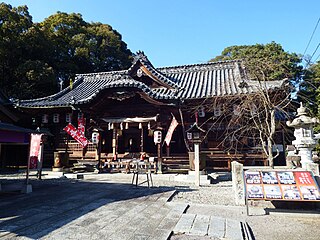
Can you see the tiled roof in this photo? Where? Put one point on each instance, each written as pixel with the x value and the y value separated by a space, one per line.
pixel 186 82
pixel 14 128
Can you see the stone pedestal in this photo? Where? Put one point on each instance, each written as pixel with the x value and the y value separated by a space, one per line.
pixel 314 168
pixel 197 164
pixel 306 156
pixel 26 188
pixel 202 161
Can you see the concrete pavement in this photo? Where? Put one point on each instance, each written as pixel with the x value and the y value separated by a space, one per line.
pixel 88 209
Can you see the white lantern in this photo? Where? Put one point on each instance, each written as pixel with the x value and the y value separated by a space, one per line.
pixel 157 136
pixel 56 117
pixel 95 137
pixel 44 118
pixel 68 117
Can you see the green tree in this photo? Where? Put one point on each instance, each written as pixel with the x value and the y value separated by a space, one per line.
pixel 36 78
pixel 265 62
pixel 81 47
pixel 309 90
pixel 14 23
pixel 35 56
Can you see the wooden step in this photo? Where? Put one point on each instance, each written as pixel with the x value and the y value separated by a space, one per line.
pixel 178 163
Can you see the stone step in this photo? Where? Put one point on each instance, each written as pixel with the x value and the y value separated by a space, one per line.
pixel 212 226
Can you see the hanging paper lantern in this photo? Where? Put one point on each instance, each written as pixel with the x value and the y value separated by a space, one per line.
pixel 45 118
pixel 68 117
pixel 56 117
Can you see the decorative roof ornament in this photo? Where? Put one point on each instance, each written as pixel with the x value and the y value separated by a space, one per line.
pixel 140 55
pixel 302 118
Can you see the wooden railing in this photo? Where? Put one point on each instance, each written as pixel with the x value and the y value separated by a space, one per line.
pixel 217 159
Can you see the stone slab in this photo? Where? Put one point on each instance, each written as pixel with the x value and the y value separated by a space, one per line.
pixel 217 227
pixel 161 235
pixel 200 225
pixel 233 230
pixel 185 223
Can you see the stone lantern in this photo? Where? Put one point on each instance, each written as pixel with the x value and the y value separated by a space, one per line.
pixel 305 140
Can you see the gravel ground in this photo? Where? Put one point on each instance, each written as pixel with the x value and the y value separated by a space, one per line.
pixel 216 199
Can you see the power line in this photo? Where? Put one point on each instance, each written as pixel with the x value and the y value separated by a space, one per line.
pixel 314 30
pixel 310 60
pixel 317 58
pixel 314 51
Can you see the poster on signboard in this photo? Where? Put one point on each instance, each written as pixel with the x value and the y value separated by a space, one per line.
pixel 290 192
pixel 269 177
pixel 253 177
pixel 310 193
pixel 286 177
pixel 281 185
pixel 272 192
pixel 255 191
pixel 304 178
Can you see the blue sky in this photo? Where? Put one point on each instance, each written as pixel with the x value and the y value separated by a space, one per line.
pixel 177 32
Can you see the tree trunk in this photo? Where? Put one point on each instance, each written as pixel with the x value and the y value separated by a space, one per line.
pixel 270 154
pixel 270 138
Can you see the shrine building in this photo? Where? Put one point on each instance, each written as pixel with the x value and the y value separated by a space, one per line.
pixel 127 107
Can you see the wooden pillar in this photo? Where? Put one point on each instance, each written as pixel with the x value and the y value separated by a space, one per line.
pixel 28 164
pixel 1 159
pixel 114 142
pixel 159 156
pixel 99 153
pixel 40 159
pixel 142 140
pixel 159 150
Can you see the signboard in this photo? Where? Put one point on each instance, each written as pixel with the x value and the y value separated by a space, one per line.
pixel 281 185
pixel 34 150
pixel 76 134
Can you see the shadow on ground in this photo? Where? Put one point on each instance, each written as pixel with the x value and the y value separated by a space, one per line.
pixel 56 202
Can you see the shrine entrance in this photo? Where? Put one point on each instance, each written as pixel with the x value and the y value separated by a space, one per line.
pixel 123 136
